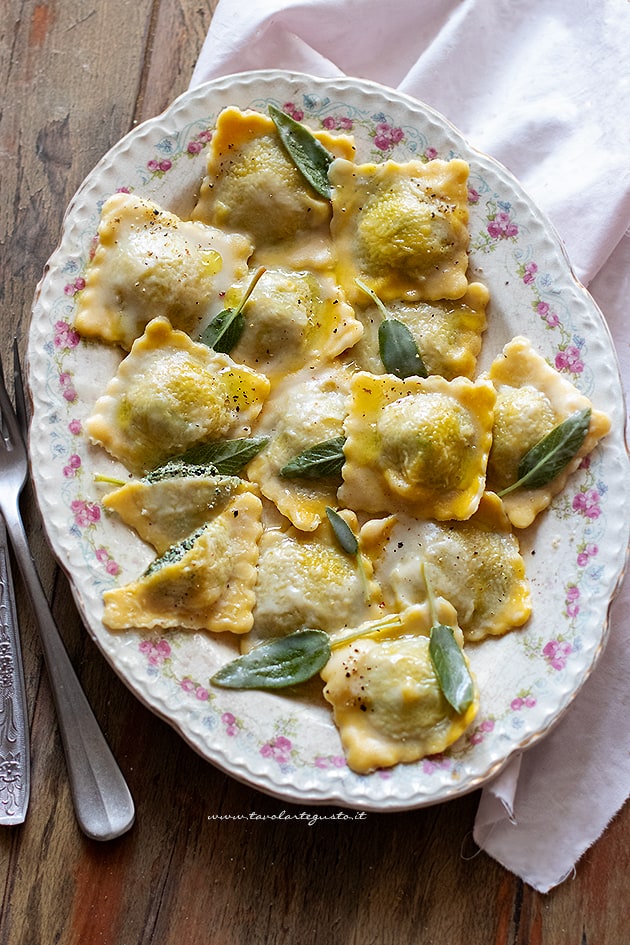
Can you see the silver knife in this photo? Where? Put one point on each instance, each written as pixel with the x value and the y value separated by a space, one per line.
pixel 15 767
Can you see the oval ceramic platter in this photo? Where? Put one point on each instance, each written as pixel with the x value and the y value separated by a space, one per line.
pixel 288 746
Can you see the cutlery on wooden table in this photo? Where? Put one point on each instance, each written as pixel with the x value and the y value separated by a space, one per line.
pixel 102 801
pixel 15 773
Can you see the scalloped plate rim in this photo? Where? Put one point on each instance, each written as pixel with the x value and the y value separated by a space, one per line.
pixel 237 768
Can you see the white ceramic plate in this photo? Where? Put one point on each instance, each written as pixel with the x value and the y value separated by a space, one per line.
pixel 574 555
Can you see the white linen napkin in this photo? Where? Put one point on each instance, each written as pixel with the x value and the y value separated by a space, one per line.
pixel 543 86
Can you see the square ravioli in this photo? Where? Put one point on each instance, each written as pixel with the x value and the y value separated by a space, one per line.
pixel 401 228
pixel 148 262
pixel 308 408
pixel 170 393
pixel 253 187
pixel 532 399
pixel 308 580
pixel 387 702
pixel 447 332
pixel 291 319
pixel 205 582
pixel 476 565
pixel 420 445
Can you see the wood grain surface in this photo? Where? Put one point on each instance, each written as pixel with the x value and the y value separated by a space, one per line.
pixel 209 860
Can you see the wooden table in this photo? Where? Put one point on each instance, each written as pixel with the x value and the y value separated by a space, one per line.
pixel 76 75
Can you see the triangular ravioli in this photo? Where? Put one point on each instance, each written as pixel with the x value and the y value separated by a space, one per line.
pixel 205 582
pixel 165 511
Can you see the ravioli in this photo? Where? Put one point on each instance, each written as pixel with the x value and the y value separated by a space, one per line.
pixel 447 332
pixel 148 262
pixel 476 565
pixel 412 466
pixel 205 582
pixel 401 228
pixel 293 318
pixel 387 702
pixel 252 186
pixel 532 398
pixel 166 511
pixel 305 409
pixel 170 393
pixel 420 445
pixel 308 581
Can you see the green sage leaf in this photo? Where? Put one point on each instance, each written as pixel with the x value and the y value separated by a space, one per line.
pixel 398 350
pixel 277 663
pixel 227 457
pixel 322 459
pixel 178 469
pixel 343 533
pixel 397 346
pixel 175 553
pixel 552 453
pixel 451 668
pixel 224 331
pixel 308 154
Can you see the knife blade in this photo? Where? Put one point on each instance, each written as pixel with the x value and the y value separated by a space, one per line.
pixel 15 775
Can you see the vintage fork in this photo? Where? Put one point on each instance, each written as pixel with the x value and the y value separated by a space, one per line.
pixel 15 770
pixel 102 801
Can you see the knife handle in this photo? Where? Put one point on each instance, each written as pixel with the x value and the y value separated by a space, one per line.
pixel 15 773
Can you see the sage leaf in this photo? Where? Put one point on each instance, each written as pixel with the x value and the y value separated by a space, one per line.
pixel 398 350
pixel 322 459
pixel 450 668
pixel 225 330
pixel 178 469
pixel 227 457
pixel 552 453
pixel 308 154
pixel 278 663
pixel 343 533
pixel 174 553
pixel 397 346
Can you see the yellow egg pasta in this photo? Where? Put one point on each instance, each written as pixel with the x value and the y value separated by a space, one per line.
pixel 401 228
pixel 476 564
pixel 149 262
pixel 419 445
pixel 170 393
pixel 532 398
pixel 205 582
pixel 168 510
pixel 448 332
pixel 386 699
pixel 292 319
pixel 307 408
pixel 252 187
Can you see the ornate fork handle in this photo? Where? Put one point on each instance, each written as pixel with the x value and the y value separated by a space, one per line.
pixel 14 735
pixel 103 803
